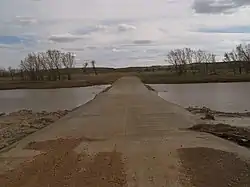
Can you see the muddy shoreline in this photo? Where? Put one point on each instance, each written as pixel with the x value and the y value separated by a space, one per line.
pixel 239 135
pixel 205 110
pixel 223 124
pixel 16 125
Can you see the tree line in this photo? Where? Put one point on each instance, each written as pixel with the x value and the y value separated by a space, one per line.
pixel 239 58
pixel 50 65
pixel 37 66
pixel 187 59
pixel 55 65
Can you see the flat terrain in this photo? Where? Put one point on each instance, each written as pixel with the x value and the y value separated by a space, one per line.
pixel 148 75
pixel 127 136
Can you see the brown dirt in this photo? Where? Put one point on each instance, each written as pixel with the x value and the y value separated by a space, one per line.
pixel 205 110
pixel 207 167
pixel 61 166
pixel 17 125
pixel 238 135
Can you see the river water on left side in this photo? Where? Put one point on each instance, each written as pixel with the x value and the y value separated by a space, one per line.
pixel 47 99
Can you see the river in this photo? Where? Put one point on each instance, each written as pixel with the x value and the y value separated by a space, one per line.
pixel 47 99
pixel 226 97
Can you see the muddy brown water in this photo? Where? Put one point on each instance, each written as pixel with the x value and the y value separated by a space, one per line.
pixel 48 99
pixel 226 97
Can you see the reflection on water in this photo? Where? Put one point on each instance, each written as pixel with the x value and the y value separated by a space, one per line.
pixel 48 99
pixel 227 97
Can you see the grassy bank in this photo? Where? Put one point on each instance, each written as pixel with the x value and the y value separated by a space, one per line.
pixel 156 77
pixel 47 84
pixel 166 78
pixel 77 81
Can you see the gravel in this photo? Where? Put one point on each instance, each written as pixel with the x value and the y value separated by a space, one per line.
pixel 206 167
pixel 61 166
pixel 17 125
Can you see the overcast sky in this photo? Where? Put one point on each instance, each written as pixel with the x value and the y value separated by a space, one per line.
pixel 120 33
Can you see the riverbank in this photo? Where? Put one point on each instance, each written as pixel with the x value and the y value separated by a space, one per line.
pixel 167 78
pixel 208 111
pixel 238 135
pixel 232 126
pixel 49 84
pixel 16 125
pixel 158 77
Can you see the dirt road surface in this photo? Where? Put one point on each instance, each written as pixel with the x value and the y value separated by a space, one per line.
pixel 127 136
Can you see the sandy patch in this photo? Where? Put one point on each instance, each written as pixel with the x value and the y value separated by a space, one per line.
pixel 207 167
pixel 61 166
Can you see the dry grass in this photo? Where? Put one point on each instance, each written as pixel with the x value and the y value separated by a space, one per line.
pixel 157 77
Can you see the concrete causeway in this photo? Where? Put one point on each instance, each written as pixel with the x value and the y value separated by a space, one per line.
pixel 126 136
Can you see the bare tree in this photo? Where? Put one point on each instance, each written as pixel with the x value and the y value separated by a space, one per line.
pixel 170 58
pixel 232 60
pixel 28 66
pixel 85 65
pixel 176 57
pixel 45 63
pixel 3 72
pixel 244 56
pixel 240 56
pixel 189 56
pixel 38 66
pixel 179 58
pixel 93 63
pixel 54 61
pixel 11 72
pixel 68 62
pixel 199 57
pixel 23 69
pixel 243 52
pixel 207 58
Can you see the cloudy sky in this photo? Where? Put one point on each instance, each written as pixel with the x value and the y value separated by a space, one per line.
pixel 120 33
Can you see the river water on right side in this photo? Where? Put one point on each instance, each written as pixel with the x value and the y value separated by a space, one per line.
pixel 225 97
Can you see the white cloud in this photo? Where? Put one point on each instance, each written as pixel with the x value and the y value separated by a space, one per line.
pixel 26 20
pixel 102 27
pixel 117 33
pixel 64 38
pixel 126 27
pixel 72 49
pixel 115 50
